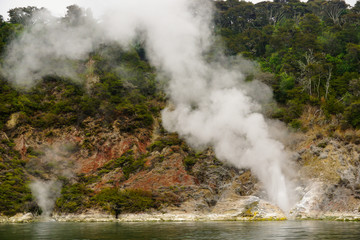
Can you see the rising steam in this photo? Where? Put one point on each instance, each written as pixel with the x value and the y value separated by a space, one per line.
pixel 57 162
pixel 46 193
pixel 211 104
pixel 49 47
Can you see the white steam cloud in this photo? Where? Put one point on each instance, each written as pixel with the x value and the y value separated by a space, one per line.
pixel 46 193
pixel 49 46
pixel 56 161
pixel 212 105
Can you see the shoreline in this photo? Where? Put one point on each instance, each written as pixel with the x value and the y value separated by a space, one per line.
pixel 168 217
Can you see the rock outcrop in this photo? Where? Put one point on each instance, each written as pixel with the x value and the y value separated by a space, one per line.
pixel 200 187
pixel 328 160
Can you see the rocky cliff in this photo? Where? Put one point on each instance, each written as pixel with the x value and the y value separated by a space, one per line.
pixel 188 184
pixel 328 160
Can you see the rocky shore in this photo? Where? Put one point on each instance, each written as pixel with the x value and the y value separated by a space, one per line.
pixel 231 208
pixel 171 217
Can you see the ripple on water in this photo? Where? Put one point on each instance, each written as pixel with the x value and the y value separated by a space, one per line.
pixel 185 230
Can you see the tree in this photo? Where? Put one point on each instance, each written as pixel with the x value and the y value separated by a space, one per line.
pixel 315 7
pixel 334 9
pixel 315 74
pixel 298 9
pixel 274 12
pixel 7 31
pixel 310 29
pixel 328 83
pixel 310 24
pixel 77 16
pixel 23 15
pixel 356 8
pixel 352 114
pixel 353 56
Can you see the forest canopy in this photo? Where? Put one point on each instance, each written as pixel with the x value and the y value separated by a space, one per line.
pixel 310 50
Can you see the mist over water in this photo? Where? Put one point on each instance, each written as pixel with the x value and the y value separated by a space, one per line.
pixel 211 103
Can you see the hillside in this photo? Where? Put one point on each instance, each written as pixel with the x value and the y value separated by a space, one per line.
pixel 96 144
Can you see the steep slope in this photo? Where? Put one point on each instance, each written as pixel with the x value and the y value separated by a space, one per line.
pixel 328 159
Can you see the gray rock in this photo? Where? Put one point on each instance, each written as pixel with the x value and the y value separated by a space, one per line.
pixel 22 218
pixel 348 178
pixel 233 206
pixel 335 144
pixel 296 156
pixel 341 159
pixel 302 151
pixel 323 155
pixel 315 150
pixel 349 147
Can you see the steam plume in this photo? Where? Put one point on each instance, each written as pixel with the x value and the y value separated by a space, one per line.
pixel 49 47
pixel 55 162
pixel 211 103
pixel 46 192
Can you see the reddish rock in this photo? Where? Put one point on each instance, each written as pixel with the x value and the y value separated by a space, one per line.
pixel 21 146
pixel 111 150
pixel 170 173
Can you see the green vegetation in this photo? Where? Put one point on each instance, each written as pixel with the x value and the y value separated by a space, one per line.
pixel 312 50
pixel 189 162
pixel 168 140
pixel 58 102
pixel 74 197
pixel 309 51
pixel 114 83
pixel 126 201
pixel 128 164
pixel 15 195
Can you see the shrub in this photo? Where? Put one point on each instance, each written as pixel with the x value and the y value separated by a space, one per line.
pixel 164 142
pixel 352 114
pixel 128 163
pixel 127 201
pixel 14 192
pixel 295 124
pixel 332 106
pixel 73 198
pixel 189 162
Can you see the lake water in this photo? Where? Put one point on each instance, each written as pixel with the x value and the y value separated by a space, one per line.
pixel 168 230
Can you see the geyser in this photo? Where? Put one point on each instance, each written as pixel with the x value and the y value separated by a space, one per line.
pixel 212 105
pixel 46 193
pixel 56 162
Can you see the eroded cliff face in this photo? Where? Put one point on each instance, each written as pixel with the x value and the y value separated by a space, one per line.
pixel 193 182
pixel 328 168
pixel 196 184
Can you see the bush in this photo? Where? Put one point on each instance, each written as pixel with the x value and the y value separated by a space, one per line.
pixel 127 201
pixel 352 114
pixel 332 106
pixel 164 142
pixel 286 83
pixel 73 198
pixel 295 124
pixel 127 163
pixel 14 192
pixel 138 114
pixel 189 162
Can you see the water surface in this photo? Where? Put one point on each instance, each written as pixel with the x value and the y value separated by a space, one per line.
pixel 192 230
